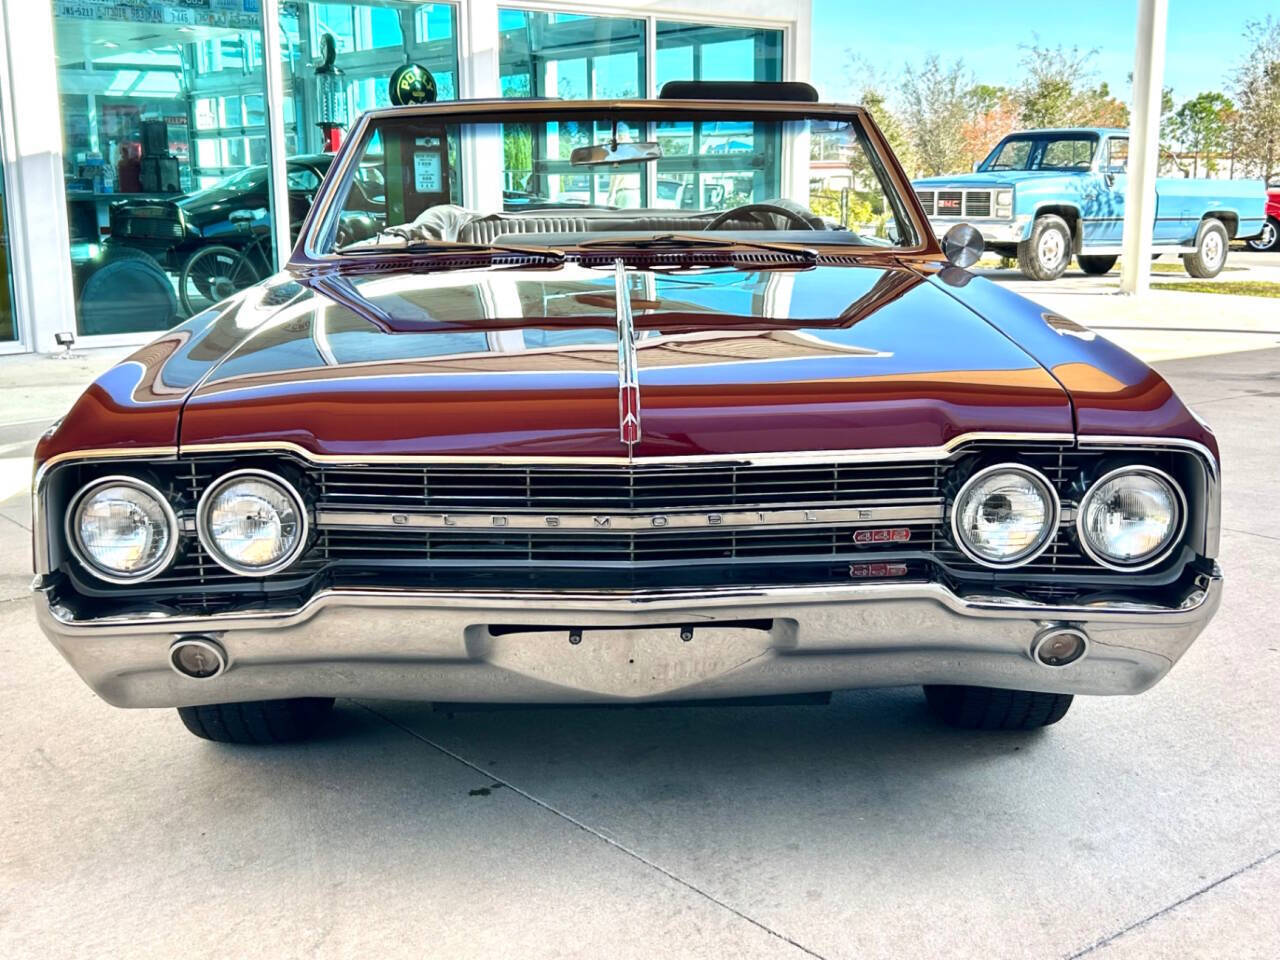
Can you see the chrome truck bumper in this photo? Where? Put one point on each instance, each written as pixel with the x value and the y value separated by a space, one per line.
pixel 1003 232
pixel 521 648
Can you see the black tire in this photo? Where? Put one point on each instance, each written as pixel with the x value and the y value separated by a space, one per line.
pixel 1211 251
pixel 1044 255
pixel 1096 266
pixel 257 721
pixel 1269 240
pixel 124 290
pixel 987 708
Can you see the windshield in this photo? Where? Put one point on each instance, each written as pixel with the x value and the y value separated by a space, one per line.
pixel 1070 151
pixel 565 174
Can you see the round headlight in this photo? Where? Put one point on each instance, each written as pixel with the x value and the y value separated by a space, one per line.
pixel 122 529
pixel 252 522
pixel 1131 518
pixel 1005 515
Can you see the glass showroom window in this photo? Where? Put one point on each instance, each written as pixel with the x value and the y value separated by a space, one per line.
pixel 369 40
pixel 574 57
pixel 165 157
pixel 701 166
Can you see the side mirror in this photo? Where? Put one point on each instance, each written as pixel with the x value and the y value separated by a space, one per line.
pixel 976 165
pixel 963 245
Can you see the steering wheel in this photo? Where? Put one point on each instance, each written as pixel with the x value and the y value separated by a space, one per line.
pixel 756 212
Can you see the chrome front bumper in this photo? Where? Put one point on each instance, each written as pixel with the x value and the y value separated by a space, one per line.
pixel 495 647
pixel 993 231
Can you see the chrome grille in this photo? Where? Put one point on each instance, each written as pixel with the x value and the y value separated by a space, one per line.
pixel 350 549
pixel 640 487
pixel 632 549
pixel 926 201
pixel 977 203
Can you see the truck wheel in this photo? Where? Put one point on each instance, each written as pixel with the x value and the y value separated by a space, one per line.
pixel 1044 255
pixel 257 721
pixel 1096 266
pixel 1211 251
pixel 1268 239
pixel 987 708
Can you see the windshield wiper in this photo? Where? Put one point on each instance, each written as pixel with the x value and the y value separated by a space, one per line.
pixel 666 241
pixel 543 254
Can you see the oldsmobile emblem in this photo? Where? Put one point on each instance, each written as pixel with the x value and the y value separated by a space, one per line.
pixel 604 523
pixel 628 364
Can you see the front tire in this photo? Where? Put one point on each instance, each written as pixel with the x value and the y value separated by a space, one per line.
pixel 1269 239
pixel 1044 255
pixel 989 708
pixel 1211 251
pixel 1096 266
pixel 257 721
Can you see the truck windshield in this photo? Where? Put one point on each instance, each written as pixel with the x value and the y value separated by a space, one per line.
pixel 559 174
pixel 1043 152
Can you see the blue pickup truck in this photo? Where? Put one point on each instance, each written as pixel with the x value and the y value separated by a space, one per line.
pixel 1043 196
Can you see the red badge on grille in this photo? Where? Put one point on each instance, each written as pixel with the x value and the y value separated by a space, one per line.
pixel 860 570
pixel 890 535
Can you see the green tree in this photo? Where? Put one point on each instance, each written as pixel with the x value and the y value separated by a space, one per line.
pixel 1202 127
pixel 936 107
pixel 1257 94
pixel 1057 92
pixel 894 131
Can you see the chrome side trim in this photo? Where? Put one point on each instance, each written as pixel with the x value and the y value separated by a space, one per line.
pixel 768 458
pixel 627 521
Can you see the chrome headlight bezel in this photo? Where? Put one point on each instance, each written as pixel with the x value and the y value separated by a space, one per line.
pixel 1047 536
pixel 1161 553
pixel 71 530
pixel 210 545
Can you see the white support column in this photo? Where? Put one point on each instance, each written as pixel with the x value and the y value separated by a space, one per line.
pixel 1144 147
pixel 39 240
pixel 273 70
pixel 478 78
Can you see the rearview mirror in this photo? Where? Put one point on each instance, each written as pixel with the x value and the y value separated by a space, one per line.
pixel 611 153
pixel 963 245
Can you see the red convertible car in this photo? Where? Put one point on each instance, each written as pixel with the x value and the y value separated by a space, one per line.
pixel 597 453
pixel 1269 238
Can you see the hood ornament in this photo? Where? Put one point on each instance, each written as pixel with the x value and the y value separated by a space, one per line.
pixel 628 365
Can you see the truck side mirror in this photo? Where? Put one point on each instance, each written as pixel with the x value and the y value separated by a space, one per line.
pixel 963 245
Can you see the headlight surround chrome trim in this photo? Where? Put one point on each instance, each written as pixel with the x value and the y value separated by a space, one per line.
pixel 82 555
pixel 210 547
pixel 1050 530
pixel 1180 501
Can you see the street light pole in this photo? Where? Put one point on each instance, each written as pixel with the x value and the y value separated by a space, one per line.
pixel 1144 147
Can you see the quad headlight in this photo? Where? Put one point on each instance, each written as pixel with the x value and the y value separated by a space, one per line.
pixel 1005 515
pixel 122 529
pixel 252 522
pixel 1131 518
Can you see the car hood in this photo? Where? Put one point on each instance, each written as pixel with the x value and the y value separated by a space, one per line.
pixel 526 363
pixel 994 178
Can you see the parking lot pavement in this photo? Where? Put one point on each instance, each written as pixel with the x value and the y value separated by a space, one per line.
pixel 1165 324
pixel 1137 827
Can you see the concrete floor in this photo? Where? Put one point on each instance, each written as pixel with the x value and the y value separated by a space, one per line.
pixel 1137 827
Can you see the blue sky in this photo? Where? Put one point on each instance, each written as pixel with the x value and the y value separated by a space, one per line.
pixel 1204 39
